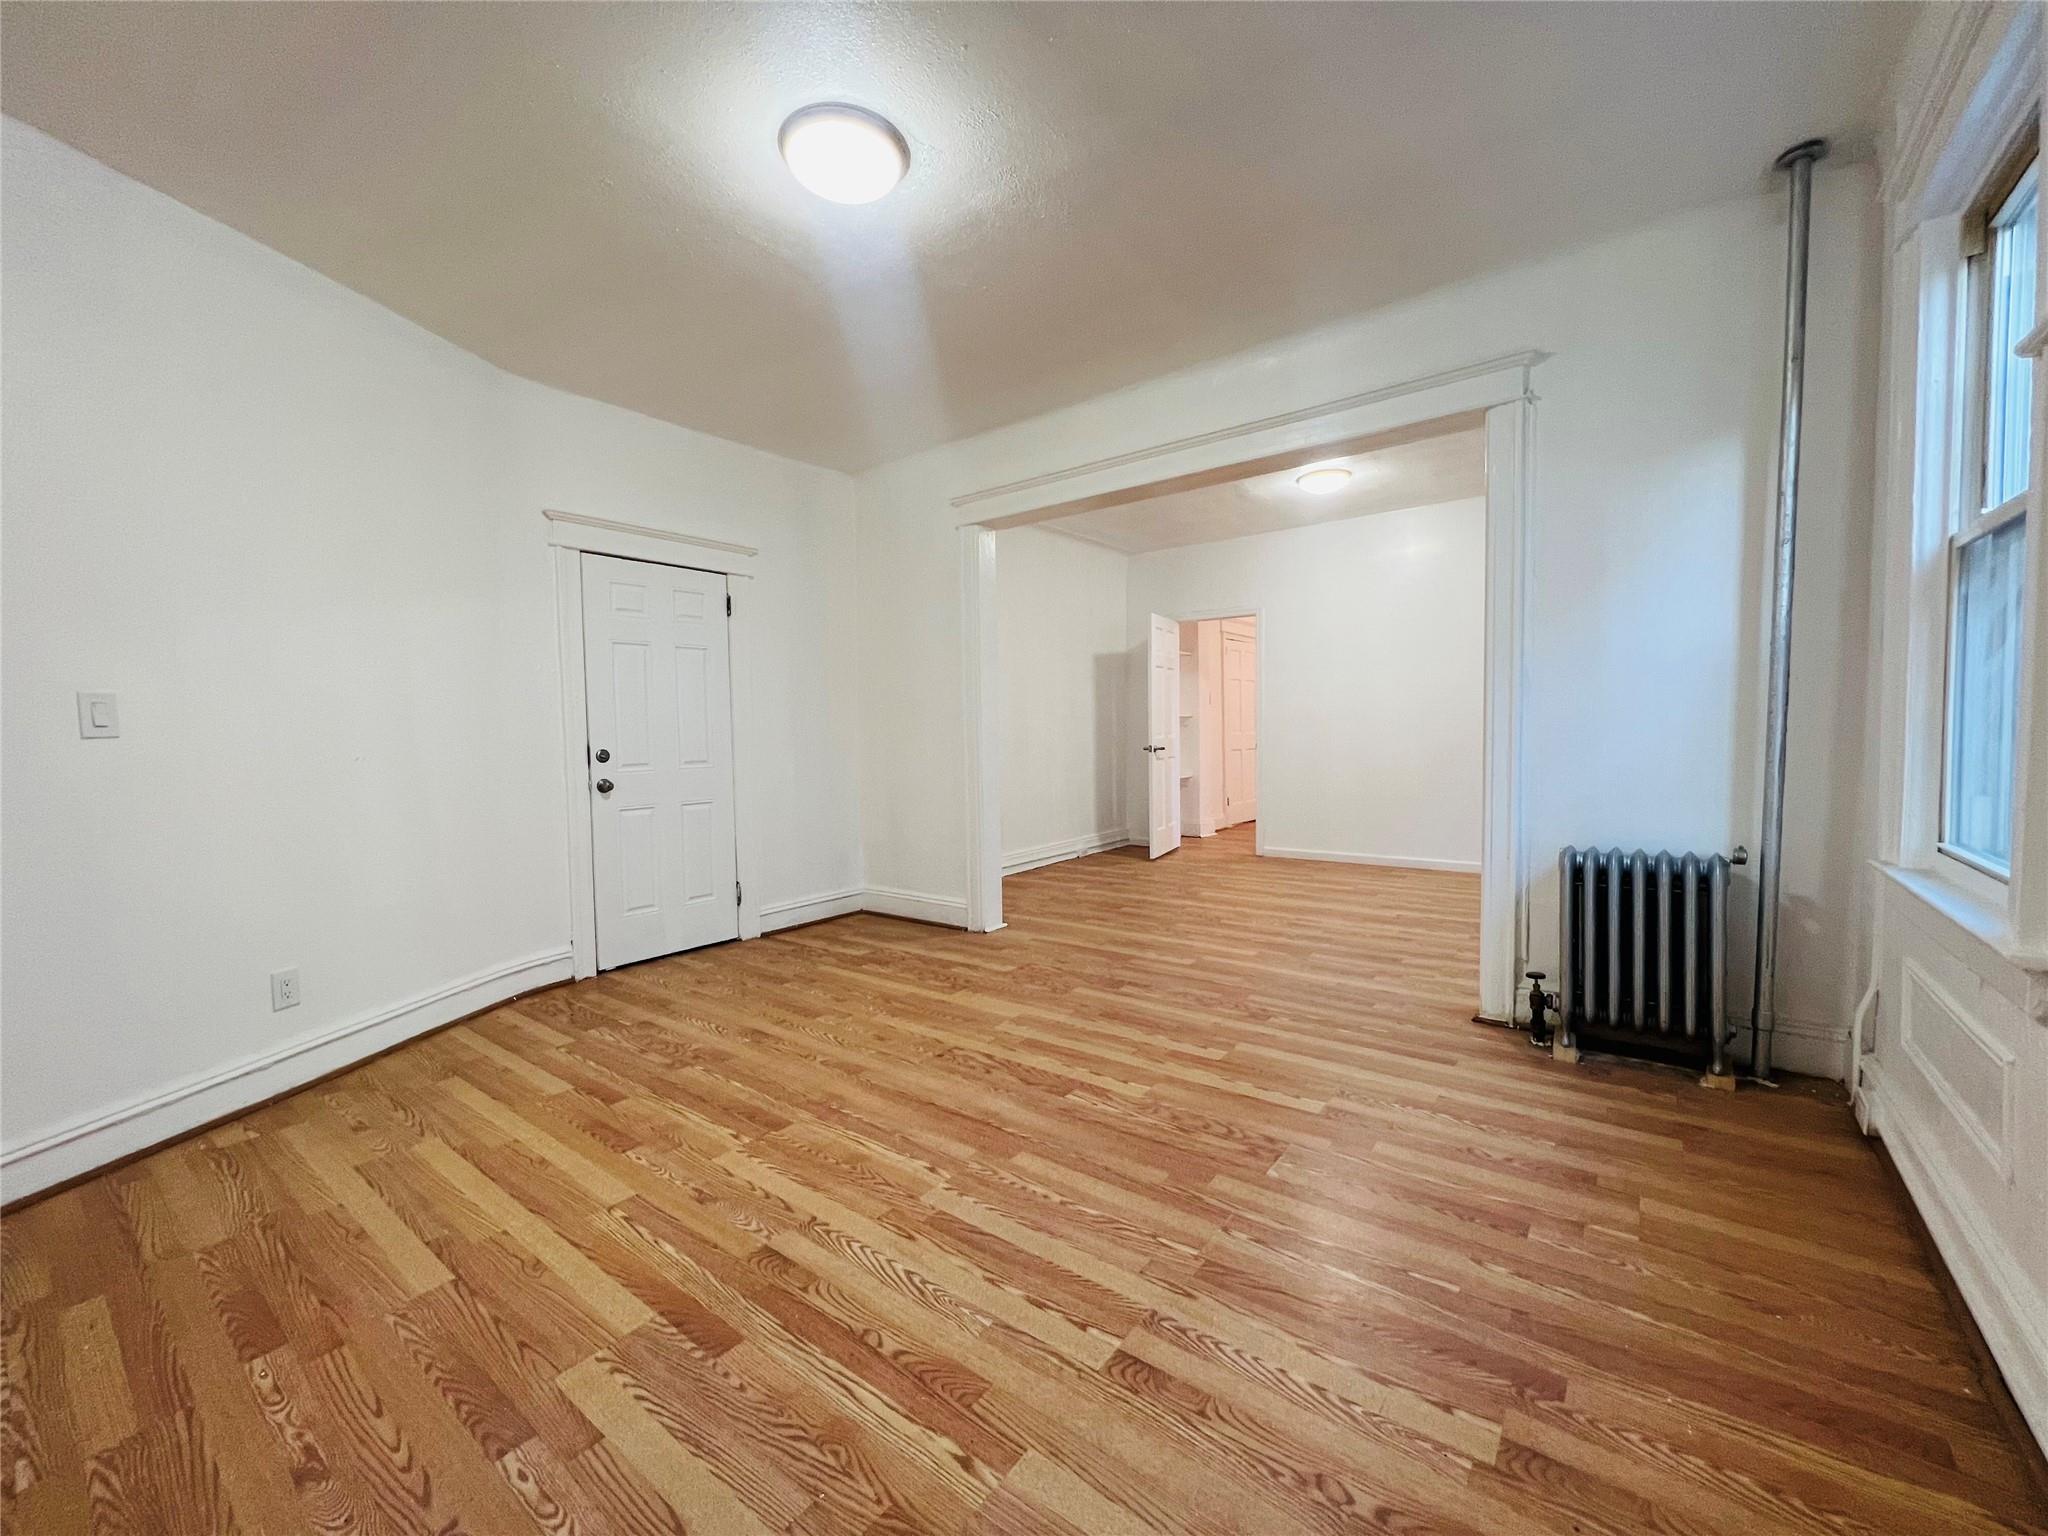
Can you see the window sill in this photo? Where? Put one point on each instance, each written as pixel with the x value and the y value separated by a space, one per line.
pixel 1982 917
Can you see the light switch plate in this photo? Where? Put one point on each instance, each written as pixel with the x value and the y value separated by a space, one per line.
pixel 98 715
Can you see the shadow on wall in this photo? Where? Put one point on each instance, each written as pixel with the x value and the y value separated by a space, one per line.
pixel 1109 762
pixel 1807 1040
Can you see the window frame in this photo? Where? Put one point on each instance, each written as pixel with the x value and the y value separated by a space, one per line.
pixel 1969 518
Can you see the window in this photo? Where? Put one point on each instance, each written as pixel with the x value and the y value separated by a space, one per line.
pixel 1987 551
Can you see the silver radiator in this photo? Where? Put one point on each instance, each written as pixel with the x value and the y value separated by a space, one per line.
pixel 1642 947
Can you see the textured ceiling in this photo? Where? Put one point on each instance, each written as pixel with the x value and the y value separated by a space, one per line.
pixel 1450 467
pixel 589 194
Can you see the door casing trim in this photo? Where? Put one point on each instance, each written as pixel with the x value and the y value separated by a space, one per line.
pixel 1256 612
pixel 570 537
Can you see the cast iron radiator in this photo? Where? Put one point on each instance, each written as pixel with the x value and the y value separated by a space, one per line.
pixel 1643 944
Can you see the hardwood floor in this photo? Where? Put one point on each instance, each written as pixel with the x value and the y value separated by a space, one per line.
pixel 1191 1202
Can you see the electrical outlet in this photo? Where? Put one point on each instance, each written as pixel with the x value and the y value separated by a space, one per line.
pixel 284 990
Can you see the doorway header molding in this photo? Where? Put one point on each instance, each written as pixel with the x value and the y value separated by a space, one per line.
pixel 1470 387
pixel 579 530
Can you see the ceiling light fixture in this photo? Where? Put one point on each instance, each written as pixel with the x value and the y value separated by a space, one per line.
pixel 843 153
pixel 1321 482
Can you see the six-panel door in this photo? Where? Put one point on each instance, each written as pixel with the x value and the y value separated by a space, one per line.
pixel 658 694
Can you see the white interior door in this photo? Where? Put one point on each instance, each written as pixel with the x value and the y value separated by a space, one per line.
pixel 1240 721
pixel 658 691
pixel 1162 736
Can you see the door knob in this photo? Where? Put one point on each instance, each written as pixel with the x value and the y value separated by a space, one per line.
pixel 604 754
pixel 1155 749
pixel 604 786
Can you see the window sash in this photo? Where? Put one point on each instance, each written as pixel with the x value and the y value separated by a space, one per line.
pixel 2002 383
pixel 1979 527
pixel 1992 490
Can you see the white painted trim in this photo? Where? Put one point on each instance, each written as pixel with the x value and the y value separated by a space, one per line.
pixel 1862 1042
pixel 1448 392
pixel 810 909
pixel 1388 860
pixel 105 1136
pixel 1913 147
pixel 1919 543
pixel 748 748
pixel 1994 1142
pixel 1018 860
pixel 1974 101
pixel 1504 938
pixel 607 536
pixel 915 904
pixel 575 759
pixel 981 710
pixel 2035 343
pixel 1979 93
pixel 2008 1310
pixel 1982 924
pixel 1501 387
pixel 568 536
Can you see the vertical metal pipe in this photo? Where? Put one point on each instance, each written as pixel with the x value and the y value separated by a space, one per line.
pixel 1798 161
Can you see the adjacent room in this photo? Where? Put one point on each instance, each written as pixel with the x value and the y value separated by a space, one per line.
pixel 843 769
pixel 1290 660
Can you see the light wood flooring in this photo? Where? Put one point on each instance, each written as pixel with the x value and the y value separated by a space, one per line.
pixel 1191 1202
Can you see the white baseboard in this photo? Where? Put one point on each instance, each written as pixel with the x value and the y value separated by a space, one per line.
pixel 1017 862
pixel 1389 860
pixel 810 909
pixel 105 1136
pixel 1808 1047
pixel 915 904
pixel 2008 1308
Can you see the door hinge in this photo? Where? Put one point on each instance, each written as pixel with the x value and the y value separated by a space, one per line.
pixel 739 894
pixel 728 605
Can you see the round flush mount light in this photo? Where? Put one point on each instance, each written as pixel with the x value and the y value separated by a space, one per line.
pixel 843 153
pixel 1321 482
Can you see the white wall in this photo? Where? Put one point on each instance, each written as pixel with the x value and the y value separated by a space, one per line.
pixel 1372 670
pixel 1060 634
pixel 301 539
pixel 1655 434
pixel 580 455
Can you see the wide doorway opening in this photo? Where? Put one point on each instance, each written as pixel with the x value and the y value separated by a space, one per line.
pixel 1288 662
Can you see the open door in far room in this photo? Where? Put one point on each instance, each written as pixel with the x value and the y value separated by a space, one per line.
pixel 1240 721
pixel 1162 736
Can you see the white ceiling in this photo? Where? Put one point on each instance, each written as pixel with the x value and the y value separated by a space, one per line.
pixel 590 195
pixel 1449 467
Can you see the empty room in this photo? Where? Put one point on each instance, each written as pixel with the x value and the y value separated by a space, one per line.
pixel 1288 665
pixel 829 769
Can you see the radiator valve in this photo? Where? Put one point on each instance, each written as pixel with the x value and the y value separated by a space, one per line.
pixel 1541 1005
